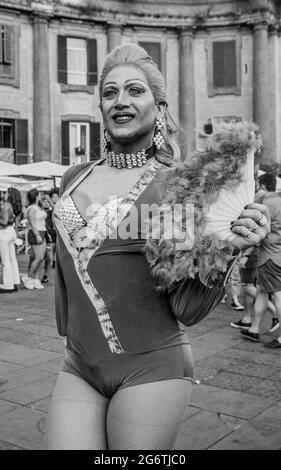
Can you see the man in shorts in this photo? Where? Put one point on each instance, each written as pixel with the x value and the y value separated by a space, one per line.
pixel 248 276
pixel 269 264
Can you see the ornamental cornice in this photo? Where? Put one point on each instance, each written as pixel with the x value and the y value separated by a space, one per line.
pixel 273 29
pixel 186 30
pixel 100 15
pixel 40 17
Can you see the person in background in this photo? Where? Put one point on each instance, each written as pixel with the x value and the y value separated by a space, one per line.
pixel 36 238
pixel 11 209
pixel 234 291
pixel 14 197
pixel 54 196
pixel 248 274
pixel 45 204
pixel 269 263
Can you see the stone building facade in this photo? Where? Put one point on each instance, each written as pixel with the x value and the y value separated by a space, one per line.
pixel 221 60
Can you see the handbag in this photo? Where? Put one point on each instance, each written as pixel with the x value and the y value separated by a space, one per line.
pixel 191 300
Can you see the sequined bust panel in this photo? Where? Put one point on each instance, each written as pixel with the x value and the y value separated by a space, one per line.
pixel 70 217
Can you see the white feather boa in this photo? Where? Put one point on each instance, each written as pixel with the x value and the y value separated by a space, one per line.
pixel 198 182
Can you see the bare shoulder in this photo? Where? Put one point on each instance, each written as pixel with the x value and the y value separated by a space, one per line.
pixel 31 211
pixel 6 205
pixel 72 174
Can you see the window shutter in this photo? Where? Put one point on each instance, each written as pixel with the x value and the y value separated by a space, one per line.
pixel 224 64
pixel 95 150
pixel 154 50
pixel 1 43
pixel 8 44
pixel 62 60
pixel 65 143
pixel 92 62
pixel 21 129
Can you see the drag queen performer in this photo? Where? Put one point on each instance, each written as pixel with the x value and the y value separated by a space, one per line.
pixel 127 376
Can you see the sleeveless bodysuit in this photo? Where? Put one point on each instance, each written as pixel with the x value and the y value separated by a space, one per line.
pixel 120 328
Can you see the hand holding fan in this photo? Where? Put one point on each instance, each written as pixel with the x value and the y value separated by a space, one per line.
pixel 218 183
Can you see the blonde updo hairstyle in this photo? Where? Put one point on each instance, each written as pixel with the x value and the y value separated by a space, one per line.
pixel 136 56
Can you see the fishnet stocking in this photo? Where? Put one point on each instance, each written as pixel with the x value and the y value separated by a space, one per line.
pixel 147 416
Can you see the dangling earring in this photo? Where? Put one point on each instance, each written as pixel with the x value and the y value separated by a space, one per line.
pixel 106 142
pixel 158 139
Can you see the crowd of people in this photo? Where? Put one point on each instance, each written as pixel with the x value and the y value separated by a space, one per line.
pixel 260 271
pixel 41 238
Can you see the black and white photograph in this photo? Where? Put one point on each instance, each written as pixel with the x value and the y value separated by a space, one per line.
pixel 140 229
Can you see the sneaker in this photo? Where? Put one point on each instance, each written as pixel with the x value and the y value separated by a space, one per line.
pixel 37 284
pixel 236 306
pixel 273 344
pixel 27 282
pixel 251 336
pixel 3 290
pixel 274 325
pixel 223 300
pixel 240 324
pixel 45 279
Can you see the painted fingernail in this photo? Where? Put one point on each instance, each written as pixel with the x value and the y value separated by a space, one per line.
pixel 245 207
pixel 232 222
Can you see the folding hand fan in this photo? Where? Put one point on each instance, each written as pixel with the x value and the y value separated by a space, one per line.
pixel 218 184
pixel 230 202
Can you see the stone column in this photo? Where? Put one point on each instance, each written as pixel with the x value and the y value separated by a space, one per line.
pixel 186 91
pixel 114 36
pixel 273 128
pixel 260 82
pixel 41 91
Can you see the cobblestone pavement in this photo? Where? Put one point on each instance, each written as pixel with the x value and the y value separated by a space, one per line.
pixel 235 405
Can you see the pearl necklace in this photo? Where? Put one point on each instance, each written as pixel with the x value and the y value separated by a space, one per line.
pixel 129 160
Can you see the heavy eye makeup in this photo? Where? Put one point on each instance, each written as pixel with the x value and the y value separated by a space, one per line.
pixel 109 92
pixel 132 89
pixel 135 90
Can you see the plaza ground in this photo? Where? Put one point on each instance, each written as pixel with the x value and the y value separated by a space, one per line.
pixel 235 402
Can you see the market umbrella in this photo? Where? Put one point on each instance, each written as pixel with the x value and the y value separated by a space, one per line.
pixel 9 181
pixel 8 169
pixel 23 184
pixel 45 169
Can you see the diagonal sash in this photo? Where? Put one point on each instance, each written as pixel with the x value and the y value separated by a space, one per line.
pixel 81 257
